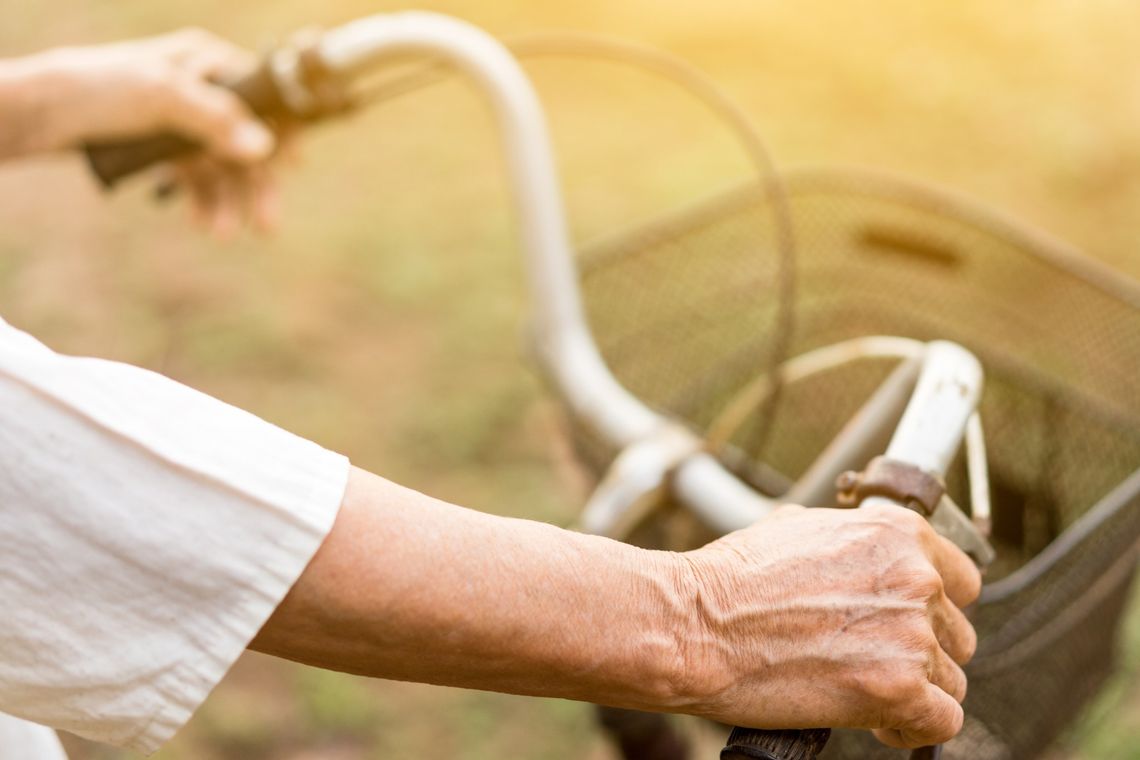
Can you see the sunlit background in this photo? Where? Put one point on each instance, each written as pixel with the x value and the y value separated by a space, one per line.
pixel 384 319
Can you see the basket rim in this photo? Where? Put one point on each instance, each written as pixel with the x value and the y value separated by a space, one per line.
pixel 802 181
pixel 1122 497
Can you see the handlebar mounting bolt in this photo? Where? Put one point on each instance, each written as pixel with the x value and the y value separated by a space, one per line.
pixel 845 486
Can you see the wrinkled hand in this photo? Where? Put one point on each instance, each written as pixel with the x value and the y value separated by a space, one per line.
pixel 843 618
pixel 165 84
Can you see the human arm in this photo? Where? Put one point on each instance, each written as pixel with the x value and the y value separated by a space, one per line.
pixel 133 509
pixel 820 617
pixel 62 98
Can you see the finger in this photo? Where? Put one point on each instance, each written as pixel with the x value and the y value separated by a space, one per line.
pixel 167 182
pixel 220 61
pixel 206 53
pixel 891 737
pixel 960 576
pixel 226 218
pixel 953 630
pixel 287 150
pixel 217 118
pixel 196 175
pixel 934 718
pixel 948 676
pixel 263 200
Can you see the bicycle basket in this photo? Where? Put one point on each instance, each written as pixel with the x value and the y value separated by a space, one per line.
pixel 682 311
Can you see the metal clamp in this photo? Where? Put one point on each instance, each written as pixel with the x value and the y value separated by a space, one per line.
pixel 898 481
pixel 308 87
pixel 920 491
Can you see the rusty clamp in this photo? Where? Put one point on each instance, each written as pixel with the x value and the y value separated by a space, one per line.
pixel 898 481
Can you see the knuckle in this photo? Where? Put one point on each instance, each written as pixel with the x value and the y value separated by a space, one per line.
pixel 927 647
pixel 967 645
pixel 899 523
pixel 915 523
pixel 890 737
pixel 946 723
pixel 932 721
pixel 892 688
pixel 226 107
pixel 216 110
pixel 193 35
pixel 950 677
pixel 173 102
pixel 881 510
pixel 914 581
pixel 155 83
pixel 927 582
pixel 159 96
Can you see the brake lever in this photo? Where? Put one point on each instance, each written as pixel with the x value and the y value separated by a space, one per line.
pixel 949 521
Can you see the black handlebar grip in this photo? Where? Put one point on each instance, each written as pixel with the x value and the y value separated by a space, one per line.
pixel 789 744
pixel 114 160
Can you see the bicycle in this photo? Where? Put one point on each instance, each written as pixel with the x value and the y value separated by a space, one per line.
pixel 718 442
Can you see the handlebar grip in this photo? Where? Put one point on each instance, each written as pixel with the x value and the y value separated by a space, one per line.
pixel 788 744
pixel 114 160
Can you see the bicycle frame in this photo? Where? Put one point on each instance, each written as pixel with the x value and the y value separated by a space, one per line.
pixel 656 452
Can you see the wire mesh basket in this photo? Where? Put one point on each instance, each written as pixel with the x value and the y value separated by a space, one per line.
pixel 685 313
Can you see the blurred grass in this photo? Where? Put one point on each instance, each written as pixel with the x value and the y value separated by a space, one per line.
pixel 384 321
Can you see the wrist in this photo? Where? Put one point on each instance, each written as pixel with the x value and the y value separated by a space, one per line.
pixel 636 651
pixel 32 91
pixel 699 664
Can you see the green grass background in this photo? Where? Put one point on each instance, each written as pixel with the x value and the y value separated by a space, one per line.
pixel 384 320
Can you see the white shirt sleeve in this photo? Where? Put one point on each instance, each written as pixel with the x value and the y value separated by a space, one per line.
pixel 147 531
pixel 21 740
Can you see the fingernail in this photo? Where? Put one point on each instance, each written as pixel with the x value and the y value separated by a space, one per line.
pixel 252 141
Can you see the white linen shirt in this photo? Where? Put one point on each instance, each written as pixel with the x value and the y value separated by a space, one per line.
pixel 147 532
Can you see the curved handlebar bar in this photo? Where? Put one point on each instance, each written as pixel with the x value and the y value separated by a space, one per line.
pixel 563 346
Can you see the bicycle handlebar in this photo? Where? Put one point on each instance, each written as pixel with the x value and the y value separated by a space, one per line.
pixel 561 340
pixel 928 436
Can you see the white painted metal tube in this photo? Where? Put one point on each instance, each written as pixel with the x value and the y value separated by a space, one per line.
pixel 934 422
pixel 750 398
pixel 720 499
pixel 928 435
pixel 978 469
pixel 639 474
pixel 567 352
pixel 565 348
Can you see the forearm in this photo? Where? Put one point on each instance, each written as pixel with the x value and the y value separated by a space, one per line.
pixel 820 617
pixel 411 588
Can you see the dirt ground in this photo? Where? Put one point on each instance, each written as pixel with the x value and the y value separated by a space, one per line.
pixel 384 319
